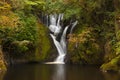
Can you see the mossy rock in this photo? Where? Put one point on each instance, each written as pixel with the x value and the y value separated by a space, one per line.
pixel 45 49
pixel 18 51
pixel 29 51
pixel 2 63
pixel 87 54
pixel 84 48
pixel 113 65
pixel 2 74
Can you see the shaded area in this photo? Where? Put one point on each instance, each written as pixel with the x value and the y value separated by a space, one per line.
pixel 57 72
pixel 2 73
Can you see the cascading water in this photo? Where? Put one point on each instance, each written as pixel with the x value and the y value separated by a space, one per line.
pixel 56 28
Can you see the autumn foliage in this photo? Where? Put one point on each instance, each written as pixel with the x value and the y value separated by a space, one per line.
pixel 7 17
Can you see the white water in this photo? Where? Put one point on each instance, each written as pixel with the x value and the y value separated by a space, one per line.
pixel 73 26
pixel 54 24
pixel 60 50
pixel 63 41
pixel 56 28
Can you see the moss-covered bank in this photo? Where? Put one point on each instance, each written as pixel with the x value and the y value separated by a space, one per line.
pixel 2 61
pixel 84 47
pixel 45 49
pixel 96 39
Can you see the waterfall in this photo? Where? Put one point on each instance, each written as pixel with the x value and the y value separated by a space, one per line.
pixel 60 58
pixel 63 41
pixel 54 24
pixel 56 28
pixel 73 25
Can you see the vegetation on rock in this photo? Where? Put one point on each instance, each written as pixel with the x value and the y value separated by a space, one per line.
pixel 95 40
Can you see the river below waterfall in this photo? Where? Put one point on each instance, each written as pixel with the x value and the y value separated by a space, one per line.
pixel 57 72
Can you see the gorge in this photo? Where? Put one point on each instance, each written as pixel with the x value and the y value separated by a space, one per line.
pixel 74 32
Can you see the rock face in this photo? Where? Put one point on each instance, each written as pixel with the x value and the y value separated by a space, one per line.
pixel 45 49
pixel 84 48
pixel 2 63
pixel 111 59
pixel 27 51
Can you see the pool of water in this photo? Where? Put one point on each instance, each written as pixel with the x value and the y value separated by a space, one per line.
pixel 56 72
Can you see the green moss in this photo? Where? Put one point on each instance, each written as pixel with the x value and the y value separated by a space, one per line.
pixel 112 65
pixel 43 43
pixel 112 57
pixel 84 48
pixel 2 63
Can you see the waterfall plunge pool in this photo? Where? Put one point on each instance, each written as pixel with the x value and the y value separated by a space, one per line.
pixel 56 72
